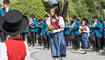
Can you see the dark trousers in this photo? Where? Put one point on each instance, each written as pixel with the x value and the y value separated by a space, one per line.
pixel 45 41
pixel 23 36
pixel 76 42
pixel 3 36
pixel 96 43
pixel 40 39
pixel 30 39
pixel 33 34
pixel 102 43
pixel 68 39
pixel 48 42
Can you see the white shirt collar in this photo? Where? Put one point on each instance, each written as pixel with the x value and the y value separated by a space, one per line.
pixel 7 9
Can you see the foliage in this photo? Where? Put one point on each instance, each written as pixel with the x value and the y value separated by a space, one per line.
pixel 28 7
pixel 81 8
pixel 86 8
pixel 0 5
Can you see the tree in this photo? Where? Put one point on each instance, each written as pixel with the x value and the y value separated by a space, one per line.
pixel 85 8
pixel 28 7
pixel 81 8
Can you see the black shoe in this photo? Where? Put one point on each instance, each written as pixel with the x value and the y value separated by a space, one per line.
pixel 44 47
pixel 67 45
pixel 98 50
pixel 33 45
pixel 94 49
pixel 70 44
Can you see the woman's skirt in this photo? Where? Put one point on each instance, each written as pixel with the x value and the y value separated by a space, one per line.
pixel 58 45
pixel 85 40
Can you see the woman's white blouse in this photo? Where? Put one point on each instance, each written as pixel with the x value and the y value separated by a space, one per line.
pixel 61 22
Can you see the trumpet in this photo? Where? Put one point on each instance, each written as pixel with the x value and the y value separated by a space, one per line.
pixel 32 26
pixel 72 26
pixel 70 29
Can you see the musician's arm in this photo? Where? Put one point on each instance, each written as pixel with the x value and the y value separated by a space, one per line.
pixel 91 26
pixel 77 26
pixel 99 25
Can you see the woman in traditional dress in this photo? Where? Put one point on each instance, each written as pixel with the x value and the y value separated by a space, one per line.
pixel 57 41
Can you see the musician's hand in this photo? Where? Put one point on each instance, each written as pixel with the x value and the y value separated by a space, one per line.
pixel 73 24
pixel 95 23
pixel 41 34
pixel 30 23
pixel 37 25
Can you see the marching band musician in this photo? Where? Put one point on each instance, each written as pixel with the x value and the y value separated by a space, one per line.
pixel 104 33
pixel 67 33
pixel 75 24
pixel 47 45
pixel 95 34
pixel 33 29
pixel 3 11
pixel 40 32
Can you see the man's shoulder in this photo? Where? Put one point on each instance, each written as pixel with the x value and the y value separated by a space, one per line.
pixel 1 9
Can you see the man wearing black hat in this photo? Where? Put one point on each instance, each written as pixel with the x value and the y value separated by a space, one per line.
pixel 75 24
pixel 47 33
pixel 33 29
pixel 14 48
pixel 5 8
pixel 95 35
pixel 3 11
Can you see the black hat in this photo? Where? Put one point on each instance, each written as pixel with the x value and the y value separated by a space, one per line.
pixel 32 16
pixel 6 1
pixel 46 15
pixel 40 20
pixel 74 17
pixel 96 17
pixel 86 20
pixel 14 23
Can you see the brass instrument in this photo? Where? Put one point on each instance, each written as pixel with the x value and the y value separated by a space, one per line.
pixel 72 26
pixel 70 29
pixel 32 26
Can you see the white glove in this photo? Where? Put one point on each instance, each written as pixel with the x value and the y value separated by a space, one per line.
pixel 55 31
